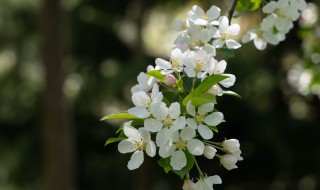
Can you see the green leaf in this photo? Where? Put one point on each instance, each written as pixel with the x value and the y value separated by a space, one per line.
pixel 203 99
pixel 231 93
pixel 121 115
pixel 185 170
pixel 255 4
pixel 204 86
pixel 214 128
pixel 226 51
pixel 156 74
pixel 137 122
pixel 112 140
pixel 248 5
pixel 165 163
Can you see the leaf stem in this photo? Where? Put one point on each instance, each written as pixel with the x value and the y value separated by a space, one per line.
pixel 199 170
pixel 193 83
pixel 232 9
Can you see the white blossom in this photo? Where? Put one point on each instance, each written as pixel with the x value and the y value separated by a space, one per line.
pixel 139 140
pixel 166 120
pixel 175 64
pixel 203 118
pixel 197 63
pixel 177 144
pixel 145 82
pixel 199 17
pixel 143 102
pixel 225 32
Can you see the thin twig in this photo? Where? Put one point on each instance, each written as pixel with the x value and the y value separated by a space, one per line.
pixel 232 9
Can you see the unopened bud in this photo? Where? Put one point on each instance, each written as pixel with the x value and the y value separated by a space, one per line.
pixel 170 80
pixel 209 152
pixel 188 185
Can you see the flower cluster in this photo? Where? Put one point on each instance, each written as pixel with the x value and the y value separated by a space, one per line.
pixel 174 111
pixel 278 22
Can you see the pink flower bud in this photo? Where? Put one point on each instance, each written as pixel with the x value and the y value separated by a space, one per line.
pixel 170 80
pixel 188 185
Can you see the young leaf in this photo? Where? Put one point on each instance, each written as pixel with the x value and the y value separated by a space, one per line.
pixel 165 163
pixel 214 128
pixel 156 74
pixel 226 51
pixel 112 140
pixel 204 86
pixel 121 115
pixel 137 122
pixel 203 99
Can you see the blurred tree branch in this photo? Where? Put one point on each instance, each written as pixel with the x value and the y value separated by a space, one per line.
pixel 58 135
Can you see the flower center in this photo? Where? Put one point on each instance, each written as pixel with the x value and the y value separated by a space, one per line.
pixel 180 144
pixel 204 16
pixel 224 37
pixel 175 63
pixel 199 118
pixel 167 122
pixel 139 145
pixel 199 66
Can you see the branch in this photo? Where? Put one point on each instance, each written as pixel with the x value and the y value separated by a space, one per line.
pixel 232 9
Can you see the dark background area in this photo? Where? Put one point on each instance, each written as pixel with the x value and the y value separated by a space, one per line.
pixel 63 67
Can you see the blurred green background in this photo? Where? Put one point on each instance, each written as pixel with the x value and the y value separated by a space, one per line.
pixel 64 66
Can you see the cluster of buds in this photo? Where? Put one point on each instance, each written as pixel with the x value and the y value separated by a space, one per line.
pixel 174 114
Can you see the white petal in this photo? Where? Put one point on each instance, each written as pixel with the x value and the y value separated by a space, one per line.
pixel 126 146
pixel 140 112
pixel 191 109
pixel 217 43
pixel 144 134
pixel 174 110
pixel 205 131
pixel 191 123
pixel 166 150
pixel 195 147
pixel 179 123
pixel 260 43
pixel 140 99
pixel 159 110
pixel 270 7
pixel 214 180
pixel 163 64
pixel 156 96
pixel 214 119
pixel 224 24
pixel 176 53
pixel 250 35
pixel 213 13
pixel 228 82
pixel 209 152
pixel 178 160
pixel 231 44
pixel 151 149
pixel 187 133
pixel 220 67
pixel 205 108
pixel 162 137
pixel 234 29
pixel 136 160
pixel 132 133
pixel 153 125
